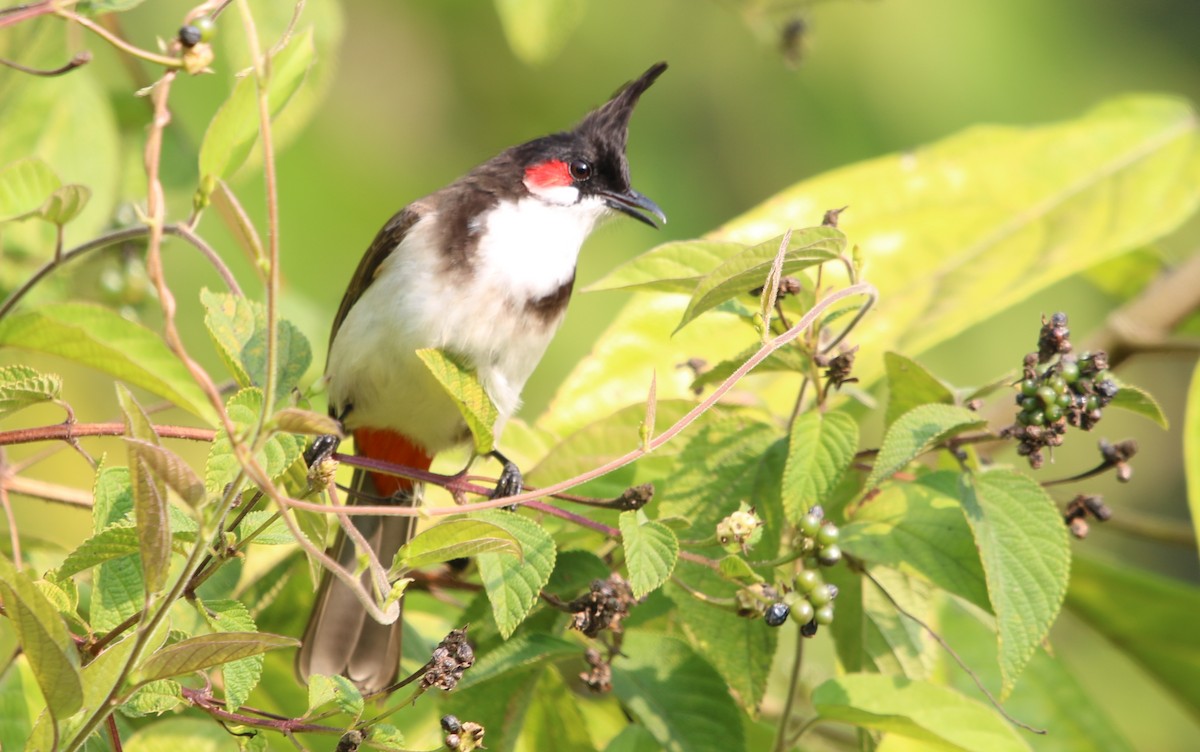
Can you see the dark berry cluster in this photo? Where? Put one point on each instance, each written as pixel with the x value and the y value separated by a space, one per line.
pixel 1082 507
pixel 1058 389
pixel 604 606
pixel 452 657
pixel 462 736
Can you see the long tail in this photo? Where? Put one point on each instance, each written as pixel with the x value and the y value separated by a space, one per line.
pixel 341 638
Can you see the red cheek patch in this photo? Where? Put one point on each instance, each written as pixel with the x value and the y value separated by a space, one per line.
pixel 549 174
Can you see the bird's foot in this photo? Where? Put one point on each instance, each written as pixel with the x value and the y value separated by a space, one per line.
pixel 511 482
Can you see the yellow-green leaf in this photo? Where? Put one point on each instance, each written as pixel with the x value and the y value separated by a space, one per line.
pixel 22 386
pixel 464 387
pixel 538 29
pixel 65 204
pixel 25 185
pixel 206 651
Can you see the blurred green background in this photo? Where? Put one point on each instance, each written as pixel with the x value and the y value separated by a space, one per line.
pixel 419 92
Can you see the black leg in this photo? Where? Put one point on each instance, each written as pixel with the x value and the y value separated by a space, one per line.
pixel 322 448
pixel 511 482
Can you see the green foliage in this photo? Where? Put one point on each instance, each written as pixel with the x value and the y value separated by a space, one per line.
pixel 172 603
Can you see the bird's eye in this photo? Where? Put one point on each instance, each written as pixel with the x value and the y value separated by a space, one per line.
pixel 581 170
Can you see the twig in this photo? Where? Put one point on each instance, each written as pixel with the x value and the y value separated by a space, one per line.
pixel 781 743
pixel 13 534
pixel 69 431
pixel 171 63
pixel 47 491
pixel 77 60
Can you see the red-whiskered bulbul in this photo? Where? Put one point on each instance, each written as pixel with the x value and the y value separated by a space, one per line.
pixel 482 269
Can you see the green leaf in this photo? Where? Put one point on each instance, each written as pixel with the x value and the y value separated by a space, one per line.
pixel 180 734
pixel 295 420
pixel 1148 617
pixel 748 269
pixel 522 652
pixel 648 678
pixel 1191 448
pixel 22 386
pixel 25 185
pixel 919 529
pixel 671 267
pixel 65 204
pixel 651 550
pixel 915 433
pixel 468 394
pixel 870 634
pixel 537 30
pixel 155 698
pixel 96 7
pixel 1138 401
pixel 103 339
pixel 238 328
pixel 111 543
pixel 206 651
pixel 1026 559
pixel 574 572
pixel 911 385
pixel 785 359
pixel 240 676
pixel 821 447
pixel 556 720
pixel 513 586
pixel 149 498
pixel 499 705
pixel 170 468
pixel 118 587
pixel 234 129
pixel 276 456
pixel 741 649
pixel 44 638
pixel 633 738
pixel 454 539
pixel 926 712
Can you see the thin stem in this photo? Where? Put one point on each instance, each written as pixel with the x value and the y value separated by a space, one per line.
pixel 71 431
pixel 172 63
pixel 13 534
pixel 946 646
pixel 793 690
pixel 77 60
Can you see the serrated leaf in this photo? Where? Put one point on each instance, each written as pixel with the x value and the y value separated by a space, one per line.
pixel 155 698
pixel 454 539
pixel 651 550
pixel 1138 401
pixel 647 678
pixel 206 651
pixel 919 529
pixel 347 696
pixel 276 456
pixel 24 186
pixel 149 497
pixel 276 532
pixel 118 589
pixel 22 386
pixel 820 448
pixel 740 649
pixel 65 204
pixel 111 543
pixel 1147 617
pixel 468 394
pixel 234 129
pixel 747 270
pixel 518 654
pixel 171 469
pixel 911 385
pixel 306 422
pixel 513 585
pixel 735 567
pixel 671 267
pixel 1026 560
pixel 238 328
pixel 44 638
pixel 915 433
pixel 240 676
pixel 101 338
pixel 918 710
pixel 538 29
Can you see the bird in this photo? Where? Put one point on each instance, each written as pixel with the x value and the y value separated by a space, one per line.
pixel 482 269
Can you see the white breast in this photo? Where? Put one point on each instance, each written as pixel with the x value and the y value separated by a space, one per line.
pixel 527 251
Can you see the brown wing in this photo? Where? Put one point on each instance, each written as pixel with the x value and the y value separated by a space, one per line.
pixel 385 242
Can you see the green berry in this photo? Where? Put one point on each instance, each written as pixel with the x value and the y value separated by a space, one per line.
pixel 1053 413
pixel 810 525
pixel 1029 387
pixel 1065 399
pixel 1047 395
pixel 824 615
pixel 820 596
pixel 829 555
pixel 827 535
pixel 1070 372
pixel 1029 404
pixel 807 581
pixel 803 611
pixel 1092 403
pixel 207 27
pixel 1058 384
